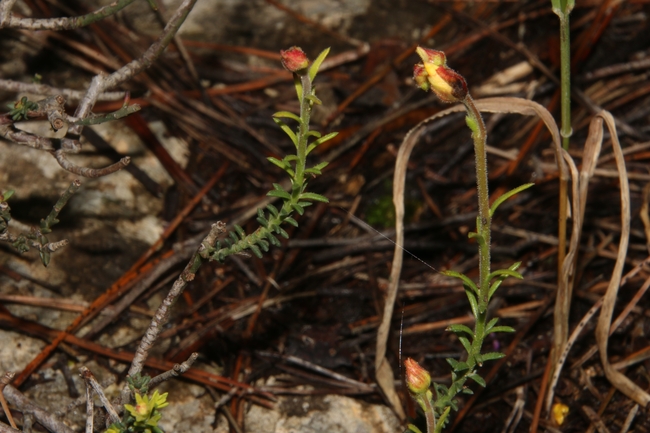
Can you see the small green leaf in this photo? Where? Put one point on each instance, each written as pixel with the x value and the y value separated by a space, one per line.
pixel 287 114
pixel 277 162
pixel 240 231
pixel 274 241
pixel 467 391
pixel 325 138
pixel 507 195
pixel 263 244
pixel 7 194
pixel 313 134
pixel 287 130
pixel 291 221
pixel 412 428
pixel 289 159
pixel 256 251
pixel 491 356
pixel 503 329
pixel 279 193
pixel 279 230
pixel 457 366
pixel 472 302
pixel 464 278
pixel 298 84
pixel 460 328
pixel 313 69
pixel 478 379
pixel 314 196
pixel 491 324
pixel 465 342
pixel 298 208
pixel 505 273
pixel 314 99
pixel 272 210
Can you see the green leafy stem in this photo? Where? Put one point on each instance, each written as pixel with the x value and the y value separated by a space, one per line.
pixel 295 200
pixel 451 87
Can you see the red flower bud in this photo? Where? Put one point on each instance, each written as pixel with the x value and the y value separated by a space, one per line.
pixel 418 379
pixel 446 83
pixel 294 60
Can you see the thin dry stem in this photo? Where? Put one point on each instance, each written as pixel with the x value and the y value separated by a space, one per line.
pixel 89 378
pixel 162 314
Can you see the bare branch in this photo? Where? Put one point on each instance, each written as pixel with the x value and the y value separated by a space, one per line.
pixel 11 133
pixel 89 378
pixel 162 314
pixel 6 380
pixel 174 372
pixel 101 83
pixel 45 90
pixel 46 419
pixel 7 19
pixel 89 172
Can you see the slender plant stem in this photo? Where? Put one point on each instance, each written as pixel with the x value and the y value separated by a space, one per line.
pixel 429 414
pixel 484 220
pixel 305 113
pixel 565 79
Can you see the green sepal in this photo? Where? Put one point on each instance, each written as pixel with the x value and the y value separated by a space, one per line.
pixel 460 328
pixel 464 278
pixel 507 195
pixel 314 196
pixel 288 114
pixel 287 130
pixel 313 69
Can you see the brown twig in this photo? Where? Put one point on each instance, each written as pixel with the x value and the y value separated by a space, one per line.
pixel 162 314
pixel 44 417
pixel 89 378
pixel 6 380
pixel 174 372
